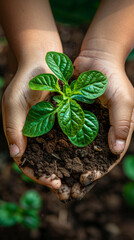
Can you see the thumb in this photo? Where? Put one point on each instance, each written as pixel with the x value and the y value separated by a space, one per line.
pixel 121 116
pixel 14 115
pixel 81 64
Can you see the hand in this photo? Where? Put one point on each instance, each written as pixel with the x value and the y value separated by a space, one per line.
pixel 119 98
pixel 17 101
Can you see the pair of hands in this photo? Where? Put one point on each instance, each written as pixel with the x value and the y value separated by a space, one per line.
pixel 119 98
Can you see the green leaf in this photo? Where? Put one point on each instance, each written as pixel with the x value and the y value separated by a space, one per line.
pixel 23 176
pixel 8 214
pixel 60 65
pixel 40 119
pixel 26 179
pixel 128 166
pixel 31 200
pixel 81 98
pixel 131 56
pixel 12 207
pixel 70 117
pixel 16 168
pixel 46 82
pixel 31 221
pixel 89 131
pixel 67 90
pixel 72 84
pixel 58 98
pixel 128 193
pixel 7 219
pixel 91 84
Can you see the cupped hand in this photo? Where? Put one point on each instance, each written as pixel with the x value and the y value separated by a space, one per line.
pixel 119 99
pixel 16 102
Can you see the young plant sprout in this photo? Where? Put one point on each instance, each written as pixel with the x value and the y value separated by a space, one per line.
pixel 80 126
pixel 128 188
pixel 25 213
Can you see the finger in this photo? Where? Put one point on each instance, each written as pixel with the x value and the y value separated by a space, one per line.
pixel 14 110
pixel 120 113
pixel 91 176
pixel 78 192
pixel 50 181
pixel 14 115
pixel 64 192
pixel 127 143
pixel 81 64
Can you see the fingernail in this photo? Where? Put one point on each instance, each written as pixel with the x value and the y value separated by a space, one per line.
pixel 14 150
pixel 118 146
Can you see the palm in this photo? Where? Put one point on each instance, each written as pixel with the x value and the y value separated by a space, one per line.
pixel 118 92
pixel 17 100
pixel 113 72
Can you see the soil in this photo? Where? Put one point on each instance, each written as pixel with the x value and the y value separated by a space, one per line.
pixel 54 153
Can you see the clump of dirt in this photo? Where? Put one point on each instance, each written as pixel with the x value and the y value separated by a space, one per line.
pixel 54 153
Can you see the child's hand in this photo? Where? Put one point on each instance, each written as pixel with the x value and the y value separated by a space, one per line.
pixel 108 41
pixel 17 101
pixel 119 98
pixel 31 32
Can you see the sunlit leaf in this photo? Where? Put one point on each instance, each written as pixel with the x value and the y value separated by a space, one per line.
pixel 83 99
pixel 46 82
pixel 60 65
pixel 67 90
pixel 70 117
pixel 89 131
pixel 40 119
pixel 72 84
pixel 58 98
pixel 91 84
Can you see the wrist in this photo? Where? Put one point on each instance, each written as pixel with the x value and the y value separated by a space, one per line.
pixel 33 57
pixel 111 30
pixel 33 47
pixel 101 48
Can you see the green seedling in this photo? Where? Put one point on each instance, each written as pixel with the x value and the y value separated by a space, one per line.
pixel 80 126
pixel 22 175
pixel 128 188
pixel 26 213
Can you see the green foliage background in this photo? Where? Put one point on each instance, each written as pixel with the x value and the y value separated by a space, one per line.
pixel 74 12
pixel 128 189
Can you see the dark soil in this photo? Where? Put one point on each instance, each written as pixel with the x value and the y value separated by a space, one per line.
pixel 54 153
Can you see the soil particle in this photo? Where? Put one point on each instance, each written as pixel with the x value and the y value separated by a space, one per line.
pixel 54 153
pixel 63 143
pixel 77 165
